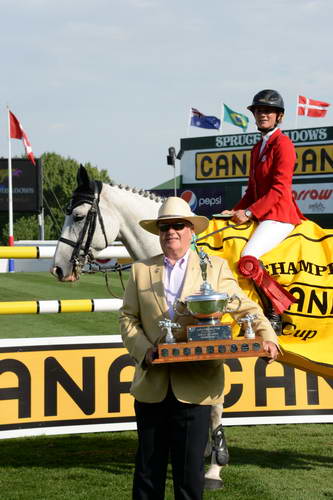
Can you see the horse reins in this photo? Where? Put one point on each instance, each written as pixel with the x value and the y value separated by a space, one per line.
pixel 224 228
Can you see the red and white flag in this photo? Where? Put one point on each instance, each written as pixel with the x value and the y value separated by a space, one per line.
pixel 311 107
pixel 16 132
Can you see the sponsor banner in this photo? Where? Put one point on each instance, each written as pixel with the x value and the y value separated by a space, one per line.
pixel 26 184
pixel 203 200
pixel 235 164
pixel 314 198
pixel 81 384
pixel 314 160
pixel 60 382
pixel 222 165
pixel 231 141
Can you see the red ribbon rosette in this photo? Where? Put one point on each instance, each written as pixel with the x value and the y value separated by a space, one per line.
pixel 251 268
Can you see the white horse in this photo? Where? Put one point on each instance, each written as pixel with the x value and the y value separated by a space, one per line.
pixel 98 215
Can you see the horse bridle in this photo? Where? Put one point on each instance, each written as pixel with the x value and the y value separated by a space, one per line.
pixel 82 254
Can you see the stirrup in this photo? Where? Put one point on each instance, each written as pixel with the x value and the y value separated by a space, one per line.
pixel 220 446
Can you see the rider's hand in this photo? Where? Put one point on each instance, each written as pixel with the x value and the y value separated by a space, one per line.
pixel 228 212
pixel 239 217
pixel 271 349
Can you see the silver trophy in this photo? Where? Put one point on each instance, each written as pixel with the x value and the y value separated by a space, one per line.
pixel 207 337
pixel 247 321
pixel 207 307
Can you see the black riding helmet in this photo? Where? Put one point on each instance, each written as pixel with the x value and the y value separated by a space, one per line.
pixel 268 98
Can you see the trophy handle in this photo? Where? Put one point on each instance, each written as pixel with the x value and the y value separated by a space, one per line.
pixel 231 299
pixel 185 312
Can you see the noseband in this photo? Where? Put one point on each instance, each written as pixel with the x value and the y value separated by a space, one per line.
pixel 82 254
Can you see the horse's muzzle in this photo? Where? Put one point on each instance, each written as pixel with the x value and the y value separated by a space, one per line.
pixel 58 273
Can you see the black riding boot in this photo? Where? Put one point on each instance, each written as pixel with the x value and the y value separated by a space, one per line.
pixel 273 317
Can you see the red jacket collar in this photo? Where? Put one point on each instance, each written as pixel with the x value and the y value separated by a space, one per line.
pixel 270 141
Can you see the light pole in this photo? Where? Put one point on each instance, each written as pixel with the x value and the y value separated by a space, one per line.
pixel 171 160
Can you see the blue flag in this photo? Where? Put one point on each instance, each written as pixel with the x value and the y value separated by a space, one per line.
pixel 200 120
pixel 235 118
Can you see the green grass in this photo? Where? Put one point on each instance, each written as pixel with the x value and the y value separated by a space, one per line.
pixel 268 462
pixel 42 286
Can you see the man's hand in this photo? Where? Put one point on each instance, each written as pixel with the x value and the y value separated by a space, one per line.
pixel 150 355
pixel 271 349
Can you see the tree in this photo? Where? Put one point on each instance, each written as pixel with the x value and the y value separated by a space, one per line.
pixel 59 181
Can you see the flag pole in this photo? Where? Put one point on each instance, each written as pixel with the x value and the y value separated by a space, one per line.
pixel 222 116
pixel 296 111
pixel 10 198
pixel 189 122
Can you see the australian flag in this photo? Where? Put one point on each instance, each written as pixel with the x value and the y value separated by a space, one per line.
pixel 200 120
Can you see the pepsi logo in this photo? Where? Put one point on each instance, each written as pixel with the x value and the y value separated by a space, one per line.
pixel 190 198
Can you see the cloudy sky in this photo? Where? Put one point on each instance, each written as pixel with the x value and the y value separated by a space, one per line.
pixel 112 81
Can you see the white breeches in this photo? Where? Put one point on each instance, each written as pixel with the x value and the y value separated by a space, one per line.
pixel 267 235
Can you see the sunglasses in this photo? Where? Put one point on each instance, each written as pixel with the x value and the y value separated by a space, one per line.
pixel 177 226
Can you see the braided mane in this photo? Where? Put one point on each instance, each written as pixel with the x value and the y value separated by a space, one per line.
pixel 140 192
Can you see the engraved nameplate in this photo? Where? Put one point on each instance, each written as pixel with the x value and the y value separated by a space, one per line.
pixel 197 333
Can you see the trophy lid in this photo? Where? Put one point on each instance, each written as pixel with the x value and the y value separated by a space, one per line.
pixel 207 293
pixel 202 296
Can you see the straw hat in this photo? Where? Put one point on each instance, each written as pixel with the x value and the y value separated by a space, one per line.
pixel 175 208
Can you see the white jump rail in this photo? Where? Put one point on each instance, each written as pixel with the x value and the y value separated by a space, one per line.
pixel 47 252
pixel 60 306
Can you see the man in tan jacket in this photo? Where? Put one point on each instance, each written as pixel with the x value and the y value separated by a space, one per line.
pixel 172 401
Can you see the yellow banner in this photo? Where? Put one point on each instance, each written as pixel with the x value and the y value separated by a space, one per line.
pixel 62 384
pixel 253 387
pixel 311 160
pixel 314 160
pixel 84 384
pixel 303 263
pixel 222 164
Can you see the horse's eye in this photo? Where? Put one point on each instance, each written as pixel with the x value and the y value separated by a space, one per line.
pixel 78 218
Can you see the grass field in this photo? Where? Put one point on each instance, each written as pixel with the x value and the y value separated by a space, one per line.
pixel 292 462
pixel 268 462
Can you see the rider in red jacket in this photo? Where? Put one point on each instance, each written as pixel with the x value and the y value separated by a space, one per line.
pixel 268 198
pixel 269 195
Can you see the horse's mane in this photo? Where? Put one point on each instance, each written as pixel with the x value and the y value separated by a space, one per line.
pixel 140 192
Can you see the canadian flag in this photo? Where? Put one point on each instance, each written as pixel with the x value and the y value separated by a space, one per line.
pixel 311 107
pixel 16 132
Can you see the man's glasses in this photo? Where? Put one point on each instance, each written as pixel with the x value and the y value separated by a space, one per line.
pixel 177 226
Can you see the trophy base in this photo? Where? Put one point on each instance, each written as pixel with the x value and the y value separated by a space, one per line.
pixel 210 349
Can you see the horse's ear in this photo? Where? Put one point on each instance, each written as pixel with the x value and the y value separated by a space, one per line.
pixel 82 176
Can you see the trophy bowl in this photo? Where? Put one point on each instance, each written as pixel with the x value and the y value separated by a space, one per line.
pixel 207 308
